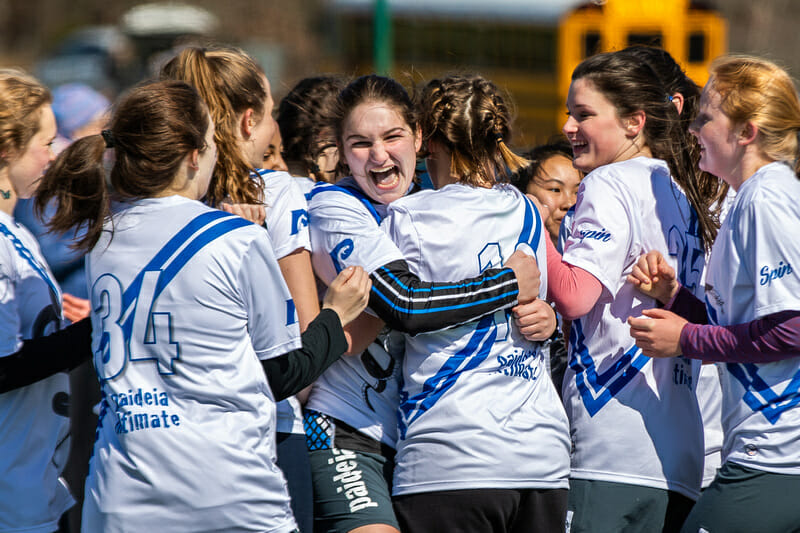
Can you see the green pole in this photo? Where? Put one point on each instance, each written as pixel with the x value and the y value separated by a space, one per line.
pixel 382 44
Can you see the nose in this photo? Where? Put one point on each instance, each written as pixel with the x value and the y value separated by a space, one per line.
pixel 377 152
pixel 570 126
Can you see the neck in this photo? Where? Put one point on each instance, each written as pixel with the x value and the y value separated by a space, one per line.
pixel 752 160
pixel 8 197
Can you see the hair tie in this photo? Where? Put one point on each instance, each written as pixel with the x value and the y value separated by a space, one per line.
pixel 498 137
pixel 108 137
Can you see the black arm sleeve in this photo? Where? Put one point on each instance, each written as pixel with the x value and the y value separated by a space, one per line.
pixel 407 304
pixel 43 357
pixel 323 343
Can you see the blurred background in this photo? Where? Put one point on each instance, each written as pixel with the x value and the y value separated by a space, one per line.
pixel 528 47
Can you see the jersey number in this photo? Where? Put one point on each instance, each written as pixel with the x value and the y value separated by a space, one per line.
pixel 131 327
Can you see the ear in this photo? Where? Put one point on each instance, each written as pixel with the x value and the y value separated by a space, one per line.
pixel 247 123
pixel 193 159
pixel 634 123
pixel 748 133
pixel 677 100
pixel 417 138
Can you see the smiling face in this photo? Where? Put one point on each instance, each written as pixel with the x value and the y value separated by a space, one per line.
pixel 381 150
pixel 718 137
pixel 556 186
pixel 595 130
pixel 26 167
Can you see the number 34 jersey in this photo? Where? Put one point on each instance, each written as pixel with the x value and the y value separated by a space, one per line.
pixel 186 300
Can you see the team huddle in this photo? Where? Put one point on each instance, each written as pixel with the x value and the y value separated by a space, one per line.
pixel 292 330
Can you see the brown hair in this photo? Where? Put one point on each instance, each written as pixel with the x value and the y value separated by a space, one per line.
pixel 305 120
pixel 759 91
pixel 469 116
pixel 152 131
pixel 632 85
pixel 21 100
pixel 710 189
pixel 230 82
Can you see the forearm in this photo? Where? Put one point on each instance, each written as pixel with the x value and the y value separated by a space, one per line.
pixel 408 304
pixel 688 306
pixel 773 338
pixel 323 343
pixel 573 290
pixel 43 357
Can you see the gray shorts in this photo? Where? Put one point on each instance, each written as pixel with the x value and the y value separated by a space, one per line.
pixel 351 474
pixel 606 507
pixel 742 499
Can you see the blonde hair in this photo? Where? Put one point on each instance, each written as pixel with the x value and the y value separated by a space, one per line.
pixel 21 100
pixel 230 82
pixel 469 116
pixel 758 91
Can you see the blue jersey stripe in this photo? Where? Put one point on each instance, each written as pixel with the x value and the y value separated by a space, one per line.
pixel 475 352
pixel 352 191
pixel 131 294
pixel 29 258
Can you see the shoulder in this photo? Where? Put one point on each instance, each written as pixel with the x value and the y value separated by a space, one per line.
pixel 327 200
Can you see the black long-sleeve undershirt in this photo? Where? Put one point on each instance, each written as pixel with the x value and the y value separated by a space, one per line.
pixel 323 343
pixel 413 306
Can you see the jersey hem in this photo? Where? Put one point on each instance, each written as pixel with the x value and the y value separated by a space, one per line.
pixel 637 480
pixel 439 486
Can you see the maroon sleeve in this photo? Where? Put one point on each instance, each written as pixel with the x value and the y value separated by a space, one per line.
pixel 773 338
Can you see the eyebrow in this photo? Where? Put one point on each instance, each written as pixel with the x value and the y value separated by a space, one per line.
pixel 385 133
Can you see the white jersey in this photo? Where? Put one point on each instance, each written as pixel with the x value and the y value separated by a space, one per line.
pixel 287 223
pixel 185 300
pixel 633 419
pixel 345 231
pixel 753 273
pixel 305 184
pixel 478 409
pixel 34 419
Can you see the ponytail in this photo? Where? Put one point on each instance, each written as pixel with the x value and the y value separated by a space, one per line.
pixel 76 182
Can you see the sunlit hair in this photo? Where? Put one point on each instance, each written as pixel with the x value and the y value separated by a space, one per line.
pixel 152 131
pixel 471 119
pixel 633 85
pixel 22 98
pixel 538 156
pixel 305 118
pixel 759 91
pixel 377 89
pixel 230 82
pixel 710 189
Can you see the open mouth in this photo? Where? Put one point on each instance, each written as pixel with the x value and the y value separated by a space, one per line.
pixel 385 178
pixel 578 146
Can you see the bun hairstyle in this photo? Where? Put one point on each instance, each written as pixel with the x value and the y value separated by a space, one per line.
pixel 632 84
pixel 151 132
pixel 230 82
pixel 304 119
pixel 21 100
pixel 759 91
pixel 471 119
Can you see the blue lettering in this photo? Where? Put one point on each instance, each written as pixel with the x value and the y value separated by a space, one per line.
pixel 769 275
pixel 598 235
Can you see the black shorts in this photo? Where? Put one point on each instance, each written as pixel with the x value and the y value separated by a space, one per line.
pixel 483 510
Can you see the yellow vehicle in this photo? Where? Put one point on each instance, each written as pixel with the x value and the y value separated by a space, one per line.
pixel 528 47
